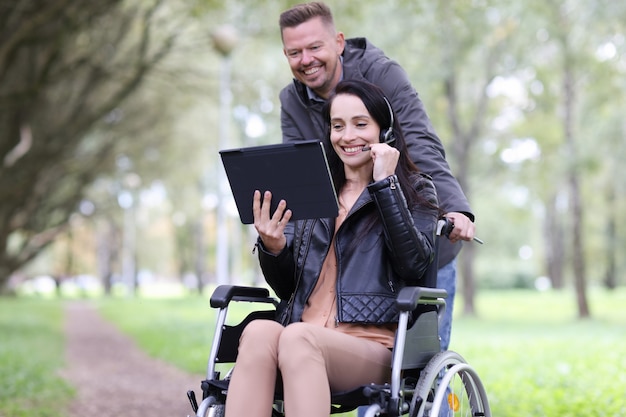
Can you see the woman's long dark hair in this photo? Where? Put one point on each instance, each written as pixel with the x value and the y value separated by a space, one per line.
pixel 377 105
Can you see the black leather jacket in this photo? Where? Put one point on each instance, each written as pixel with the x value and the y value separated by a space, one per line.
pixel 374 259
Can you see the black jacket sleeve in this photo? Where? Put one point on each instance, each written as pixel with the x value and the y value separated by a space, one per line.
pixel 409 233
pixel 279 270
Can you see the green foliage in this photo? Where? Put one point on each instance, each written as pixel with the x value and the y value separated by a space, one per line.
pixel 31 353
pixel 65 111
pixel 167 131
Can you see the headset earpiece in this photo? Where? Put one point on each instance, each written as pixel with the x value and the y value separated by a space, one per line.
pixel 387 135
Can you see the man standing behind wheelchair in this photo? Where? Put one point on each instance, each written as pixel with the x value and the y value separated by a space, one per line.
pixel 340 276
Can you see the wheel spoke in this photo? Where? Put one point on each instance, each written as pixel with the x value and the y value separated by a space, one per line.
pixel 451 388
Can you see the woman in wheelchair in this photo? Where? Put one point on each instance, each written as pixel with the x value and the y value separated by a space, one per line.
pixel 341 276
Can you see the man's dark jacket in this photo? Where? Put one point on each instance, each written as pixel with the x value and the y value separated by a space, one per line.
pixel 301 119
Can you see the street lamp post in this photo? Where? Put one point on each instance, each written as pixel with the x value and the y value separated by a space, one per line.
pixel 224 41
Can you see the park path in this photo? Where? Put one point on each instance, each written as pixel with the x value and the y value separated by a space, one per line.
pixel 113 377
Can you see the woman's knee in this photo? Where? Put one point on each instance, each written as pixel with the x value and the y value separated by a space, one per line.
pixel 260 336
pixel 298 340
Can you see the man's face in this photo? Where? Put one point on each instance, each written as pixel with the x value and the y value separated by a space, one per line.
pixel 312 50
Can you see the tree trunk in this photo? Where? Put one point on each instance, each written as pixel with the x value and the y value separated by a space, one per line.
pixel 553 237
pixel 107 252
pixel 610 279
pixel 69 264
pixel 200 255
pixel 578 252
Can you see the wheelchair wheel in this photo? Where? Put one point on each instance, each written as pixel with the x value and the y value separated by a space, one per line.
pixel 448 387
pixel 210 408
pixel 216 410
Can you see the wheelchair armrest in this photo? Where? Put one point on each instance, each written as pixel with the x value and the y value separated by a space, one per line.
pixel 410 297
pixel 223 294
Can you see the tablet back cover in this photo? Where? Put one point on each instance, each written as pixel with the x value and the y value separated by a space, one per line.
pixel 296 172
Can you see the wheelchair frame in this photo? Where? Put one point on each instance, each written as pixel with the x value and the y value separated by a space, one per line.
pixel 402 395
pixel 425 382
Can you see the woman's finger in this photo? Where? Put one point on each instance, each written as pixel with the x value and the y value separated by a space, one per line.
pixel 256 204
pixel 265 206
pixel 280 210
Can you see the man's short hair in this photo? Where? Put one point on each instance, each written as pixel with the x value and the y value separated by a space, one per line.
pixel 303 13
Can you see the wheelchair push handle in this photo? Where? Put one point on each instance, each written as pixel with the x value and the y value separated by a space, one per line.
pixel 445 226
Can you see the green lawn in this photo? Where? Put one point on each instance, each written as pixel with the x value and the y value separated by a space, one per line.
pixel 536 359
pixel 534 356
pixel 31 353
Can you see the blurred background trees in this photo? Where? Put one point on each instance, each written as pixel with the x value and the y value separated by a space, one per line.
pixel 110 115
pixel 70 71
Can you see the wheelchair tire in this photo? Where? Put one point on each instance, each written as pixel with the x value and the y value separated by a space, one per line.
pixel 210 407
pixel 448 386
pixel 216 410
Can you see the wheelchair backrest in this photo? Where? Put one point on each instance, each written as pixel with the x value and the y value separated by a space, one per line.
pixel 422 338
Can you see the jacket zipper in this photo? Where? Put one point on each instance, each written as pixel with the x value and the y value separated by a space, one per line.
pixel 392 185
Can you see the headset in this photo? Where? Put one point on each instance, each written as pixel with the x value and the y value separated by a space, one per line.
pixel 387 136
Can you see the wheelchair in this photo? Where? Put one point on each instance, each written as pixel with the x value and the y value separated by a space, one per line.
pixel 425 381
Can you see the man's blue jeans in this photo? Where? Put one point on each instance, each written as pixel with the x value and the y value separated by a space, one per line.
pixel 446 279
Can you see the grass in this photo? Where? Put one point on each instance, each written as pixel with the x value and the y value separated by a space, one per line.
pixel 533 355
pixel 177 330
pixel 31 353
pixel 536 359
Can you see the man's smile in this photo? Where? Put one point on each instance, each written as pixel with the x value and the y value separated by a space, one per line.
pixel 312 70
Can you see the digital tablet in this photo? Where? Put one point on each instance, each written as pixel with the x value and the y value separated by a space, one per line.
pixel 296 172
